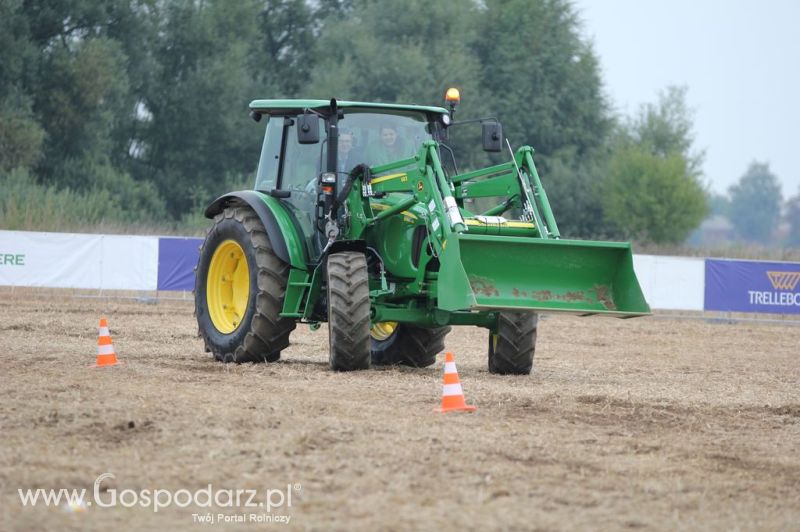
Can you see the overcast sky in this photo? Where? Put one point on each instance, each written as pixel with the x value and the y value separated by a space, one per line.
pixel 739 59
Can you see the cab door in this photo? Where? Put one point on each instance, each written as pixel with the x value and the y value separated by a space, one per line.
pixel 292 168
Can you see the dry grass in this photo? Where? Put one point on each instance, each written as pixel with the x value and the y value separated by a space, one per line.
pixel 646 423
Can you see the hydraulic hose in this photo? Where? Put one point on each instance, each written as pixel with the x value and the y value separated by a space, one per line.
pixel 362 171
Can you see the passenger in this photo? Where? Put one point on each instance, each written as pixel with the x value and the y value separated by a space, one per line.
pixel 390 148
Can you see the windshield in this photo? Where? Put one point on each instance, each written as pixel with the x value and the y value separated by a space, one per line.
pixel 378 138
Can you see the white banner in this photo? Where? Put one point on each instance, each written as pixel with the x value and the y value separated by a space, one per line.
pixel 68 260
pixel 671 283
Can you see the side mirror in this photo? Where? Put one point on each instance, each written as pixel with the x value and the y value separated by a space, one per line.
pixel 308 128
pixel 492 136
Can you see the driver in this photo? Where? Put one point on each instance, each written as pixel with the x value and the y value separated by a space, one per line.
pixel 346 159
pixel 389 148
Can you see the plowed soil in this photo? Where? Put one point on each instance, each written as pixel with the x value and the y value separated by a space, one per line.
pixel 650 423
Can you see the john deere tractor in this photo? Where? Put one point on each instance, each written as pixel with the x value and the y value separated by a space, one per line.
pixel 360 218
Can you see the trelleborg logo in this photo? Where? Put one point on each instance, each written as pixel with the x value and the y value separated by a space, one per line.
pixel 783 295
pixel 784 280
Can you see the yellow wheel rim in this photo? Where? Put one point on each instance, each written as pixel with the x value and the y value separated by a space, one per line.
pixel 383 330
pixel 228 286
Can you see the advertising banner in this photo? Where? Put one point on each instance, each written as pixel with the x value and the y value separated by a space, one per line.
pixel 751 286
pixel 68 260
pixel 671 283
pixel 129 262
pixel 177 258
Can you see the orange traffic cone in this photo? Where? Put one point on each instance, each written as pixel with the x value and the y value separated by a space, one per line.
pixel 452 394
pixel 105 349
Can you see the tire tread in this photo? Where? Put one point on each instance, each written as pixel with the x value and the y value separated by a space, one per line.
pixel 516 344
pixel 348 314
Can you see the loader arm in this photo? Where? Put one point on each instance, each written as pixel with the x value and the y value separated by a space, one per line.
pixel 483 263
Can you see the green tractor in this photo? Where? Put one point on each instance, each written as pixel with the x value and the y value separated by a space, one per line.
pixel 360 218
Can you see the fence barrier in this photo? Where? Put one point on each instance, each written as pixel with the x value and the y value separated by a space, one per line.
pixel 151 263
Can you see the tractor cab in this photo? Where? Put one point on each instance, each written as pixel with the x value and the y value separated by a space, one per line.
pixel 292 160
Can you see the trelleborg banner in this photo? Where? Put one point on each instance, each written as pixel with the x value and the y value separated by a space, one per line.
pixel 751 286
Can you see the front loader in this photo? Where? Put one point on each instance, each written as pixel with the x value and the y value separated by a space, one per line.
pixel 355 220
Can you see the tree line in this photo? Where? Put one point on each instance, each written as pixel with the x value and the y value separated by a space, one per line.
pixel 755 208
pixel 140 105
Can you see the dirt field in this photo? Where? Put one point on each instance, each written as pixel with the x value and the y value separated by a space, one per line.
pixel 647 423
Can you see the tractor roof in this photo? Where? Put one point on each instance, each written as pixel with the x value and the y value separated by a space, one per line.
pixel 282 106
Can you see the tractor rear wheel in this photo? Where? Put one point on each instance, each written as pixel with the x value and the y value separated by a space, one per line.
pixel 398 343
pixel 511 348
pixel 348 311
pixel 240 285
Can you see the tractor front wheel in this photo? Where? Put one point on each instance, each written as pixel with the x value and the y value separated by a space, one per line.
pixel 239 288
pixel 348 311
pixel 511 348
pixel 398 343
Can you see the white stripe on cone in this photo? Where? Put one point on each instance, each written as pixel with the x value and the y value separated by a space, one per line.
pixel 104 331
pixel 450 367
pixel 452 389
pixel 105 349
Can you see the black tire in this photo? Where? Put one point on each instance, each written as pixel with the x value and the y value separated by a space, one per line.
pixel 348 311
pixel 511 349
pixel 410 346
pixel 262 333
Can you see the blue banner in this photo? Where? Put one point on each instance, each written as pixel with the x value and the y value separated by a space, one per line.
pixel 751 286
pixel 177 258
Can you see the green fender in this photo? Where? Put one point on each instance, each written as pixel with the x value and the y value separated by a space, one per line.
pixel 284 237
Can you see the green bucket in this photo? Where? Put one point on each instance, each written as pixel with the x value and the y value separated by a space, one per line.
pixel 482 272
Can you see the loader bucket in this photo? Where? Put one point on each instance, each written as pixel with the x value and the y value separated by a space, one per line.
pixel 483 272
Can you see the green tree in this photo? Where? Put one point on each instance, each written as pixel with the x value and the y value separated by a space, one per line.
pixel 195 135
pixel 666 128
pixel 756 203
pixel 541 77
pixel 719 204
pixel 574 188
pixel 79 99
pixel 288 31
pixel 21 135
pixel 651 197
pixel 652 190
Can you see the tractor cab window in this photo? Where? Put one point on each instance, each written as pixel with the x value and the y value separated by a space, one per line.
pixel 379 138
pixel 301 163
pixel 267 174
